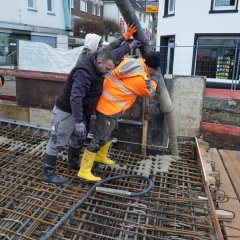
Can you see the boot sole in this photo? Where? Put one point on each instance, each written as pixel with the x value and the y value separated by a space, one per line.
pixel 105 163
pixel 56 184
pixel 86 180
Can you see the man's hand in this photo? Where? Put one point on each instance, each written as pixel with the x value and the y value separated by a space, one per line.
pixel 135 44
pixel 156 75
pixel 131 29
pixel 80 130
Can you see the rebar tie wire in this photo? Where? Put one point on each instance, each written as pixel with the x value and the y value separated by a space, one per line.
pixel 97 187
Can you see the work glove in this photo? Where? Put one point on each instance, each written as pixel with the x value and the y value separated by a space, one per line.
pixel 131 29
pixel 135 44
pixel 80 130
pixel 156 75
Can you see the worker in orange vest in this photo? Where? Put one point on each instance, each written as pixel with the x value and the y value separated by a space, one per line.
pixel 133 77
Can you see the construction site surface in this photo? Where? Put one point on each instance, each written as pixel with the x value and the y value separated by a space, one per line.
pixel 178 207
pixel 195 196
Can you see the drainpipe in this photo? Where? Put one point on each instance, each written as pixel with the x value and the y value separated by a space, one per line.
pixel 66 12
pixel 129 16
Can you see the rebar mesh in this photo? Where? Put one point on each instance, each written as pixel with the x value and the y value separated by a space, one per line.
pixel 29 208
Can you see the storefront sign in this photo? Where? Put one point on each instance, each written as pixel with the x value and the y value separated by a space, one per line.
pixel 151 6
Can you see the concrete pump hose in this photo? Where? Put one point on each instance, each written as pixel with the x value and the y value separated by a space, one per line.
pixel 163 97
pixel 97 187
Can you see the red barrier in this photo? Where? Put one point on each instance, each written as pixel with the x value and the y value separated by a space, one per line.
pixel 222 93
pixel 219 128
pixel 8 98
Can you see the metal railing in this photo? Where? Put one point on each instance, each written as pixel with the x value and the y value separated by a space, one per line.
pixel 220 64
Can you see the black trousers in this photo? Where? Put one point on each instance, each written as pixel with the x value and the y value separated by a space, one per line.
pixel 104 127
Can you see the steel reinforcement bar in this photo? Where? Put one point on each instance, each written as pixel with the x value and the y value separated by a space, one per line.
pixel 176 208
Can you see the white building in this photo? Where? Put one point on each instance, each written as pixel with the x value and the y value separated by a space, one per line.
pixel 35 20
pixel 209 25
pixel 110 11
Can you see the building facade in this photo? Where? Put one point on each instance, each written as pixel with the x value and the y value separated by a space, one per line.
pixel 111 12
pixel 34 20
pixel 90 10
pixel 200 38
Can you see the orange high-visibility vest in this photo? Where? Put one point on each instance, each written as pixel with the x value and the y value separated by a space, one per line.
pixel 122 87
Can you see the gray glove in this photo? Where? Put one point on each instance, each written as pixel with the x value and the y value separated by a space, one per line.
pixel 156 75
pixel 80 130
pixel 135 44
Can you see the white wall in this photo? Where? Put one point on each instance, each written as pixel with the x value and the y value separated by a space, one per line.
pixel 16 11
pixel 192 17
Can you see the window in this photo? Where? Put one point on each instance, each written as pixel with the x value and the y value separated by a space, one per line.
pixel 31 4
pixel 4 48
pixel 224 5
pixel 50 5
pixel 52 41
pixel 144 18
pixel 83 5
pixel 169 7
pixel 217 57
pixel 98 10
pixel 167 50
pixel 72 3
pixel 140 16
pixel 94 9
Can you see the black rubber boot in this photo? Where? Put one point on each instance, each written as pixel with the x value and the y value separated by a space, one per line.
pixel 74 158
pixel 49 169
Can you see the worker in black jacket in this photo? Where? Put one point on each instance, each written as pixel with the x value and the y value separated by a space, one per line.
pixel 74 107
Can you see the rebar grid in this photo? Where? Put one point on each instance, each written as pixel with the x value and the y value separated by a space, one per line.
pixel 29 208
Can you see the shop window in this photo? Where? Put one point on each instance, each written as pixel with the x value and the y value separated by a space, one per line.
pixel 4 49
pixel 218 58
pixel 83 5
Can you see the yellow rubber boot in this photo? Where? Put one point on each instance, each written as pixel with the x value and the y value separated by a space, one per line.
pixel 86 166
pixel 101 156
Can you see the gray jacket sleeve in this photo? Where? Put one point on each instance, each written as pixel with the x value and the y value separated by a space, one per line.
pixel 115 44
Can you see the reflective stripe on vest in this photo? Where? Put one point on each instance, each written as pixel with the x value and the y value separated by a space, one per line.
pixel 113 99
pixel 119 84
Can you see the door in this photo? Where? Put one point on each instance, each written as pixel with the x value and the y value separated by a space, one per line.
pixel 170 56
